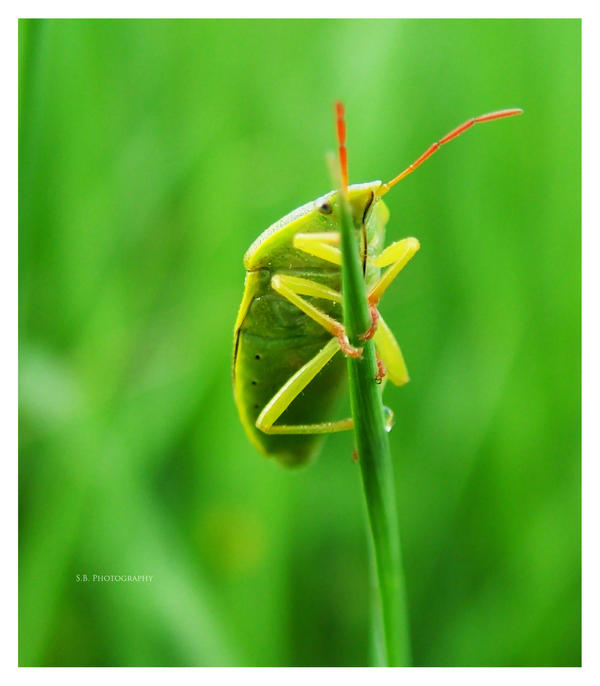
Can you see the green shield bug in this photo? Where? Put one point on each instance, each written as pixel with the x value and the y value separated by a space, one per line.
pixel 286 373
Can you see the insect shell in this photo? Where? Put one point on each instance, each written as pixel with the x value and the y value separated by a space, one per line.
pixel 273 338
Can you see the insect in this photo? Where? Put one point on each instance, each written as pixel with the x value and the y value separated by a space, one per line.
pixel 288 331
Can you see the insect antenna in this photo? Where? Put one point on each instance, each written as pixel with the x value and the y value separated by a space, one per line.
pixel 341 134
pixel 447 138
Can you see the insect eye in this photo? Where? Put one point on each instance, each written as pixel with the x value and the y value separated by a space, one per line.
pixel 324 206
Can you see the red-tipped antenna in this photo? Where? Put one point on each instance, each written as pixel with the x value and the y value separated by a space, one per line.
pixel 448 137
pixel 341 134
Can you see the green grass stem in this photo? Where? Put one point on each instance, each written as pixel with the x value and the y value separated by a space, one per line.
pixel 389 611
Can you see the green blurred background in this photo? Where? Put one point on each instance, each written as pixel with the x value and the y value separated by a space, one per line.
pixel 151 154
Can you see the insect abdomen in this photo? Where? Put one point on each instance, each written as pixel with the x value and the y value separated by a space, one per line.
pixel 275 339
pixel 264 365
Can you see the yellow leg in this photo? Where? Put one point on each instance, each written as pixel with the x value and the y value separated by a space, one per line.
pixel 315 289
pixel 320 245
pixel 390 354
pixel 397 255
pixel 292 288
pixel 291 389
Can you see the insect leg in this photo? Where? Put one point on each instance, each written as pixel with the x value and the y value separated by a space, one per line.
pixel 292 288
pixel 397 255
pixel 390 354
pixel 315 289
pixel 291 389
pixel 320 245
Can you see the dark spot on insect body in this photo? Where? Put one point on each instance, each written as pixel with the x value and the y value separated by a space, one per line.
pixel 257 356
pixel 254 383
pixel 324 207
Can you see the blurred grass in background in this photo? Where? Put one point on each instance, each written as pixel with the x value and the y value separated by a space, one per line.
pixel 151 153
